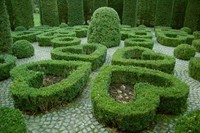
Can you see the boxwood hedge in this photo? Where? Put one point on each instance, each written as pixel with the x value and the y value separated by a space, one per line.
pixel 142 42
pixel 25 35
pixel 155 92
pixel 196 34
pixel 65 41
pixel 194 68
pixel 29 94
pixel 140 34
pixel 143 57
pixel 196 44
pixel 81 30
pixel 94 53
pixel 184 52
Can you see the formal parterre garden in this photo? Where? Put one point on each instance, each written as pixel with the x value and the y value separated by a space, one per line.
pixel 99 66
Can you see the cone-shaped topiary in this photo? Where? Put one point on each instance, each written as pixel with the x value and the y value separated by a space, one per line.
pixel 62 10
pixel 99 3
pixel 5 34
pixel 105 27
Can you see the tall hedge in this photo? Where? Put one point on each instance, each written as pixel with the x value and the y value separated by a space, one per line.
pixel 192 18
pixel 129 12
pixel 75 12
pixel 23 13
pixel 5 32
pixel 10 13
pixel 49 12
pixel 164 12
pixel 117 5
pixel 99 3
pixel 62 10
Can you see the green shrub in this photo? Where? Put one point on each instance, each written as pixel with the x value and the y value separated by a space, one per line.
pixel 140 34
pixel 117 5
pixel 143 57
pixel 99 3
pixel 29 94
pixel 62 11
pixel 141 42
pixel 20 28
pixel 11 121
pixel 65 41
pixel 25 35
pixel 63 25
pixel 104 27
pixel 184 52
pixel 187 30
pixel 5 33
pixel 194 68
pixel 94 53
pixel 196 45
pixel 125 33
pixel 81 30
pixel 188 123
pixel 196 34
pixel 129 12
pixel 7 62
pixel 155 92
pixel 42 28
pixel 22 49
pixel 75 12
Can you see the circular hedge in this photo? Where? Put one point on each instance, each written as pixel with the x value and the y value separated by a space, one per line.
pixel 184 52
pixel 155 92
pixel 196 44
pixel 65 41
pixel 187 30
pixel 22 49
pixel 142 42
pixel 25 35
pixel 7 62
pixel 104 27
pixel 194 68
pixel 140 34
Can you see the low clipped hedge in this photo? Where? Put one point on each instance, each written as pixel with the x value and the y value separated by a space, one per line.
pixel 184 52
pixel 65 41
pixel 28 93
pixel 196 34
pixel 196 44
pixel 155 92
pixel 125 33
pixel 188 123
pixel 194 68
pixel 7 62
pixel 94 53
pixel 187 30
pixel 142 42
pixel 81 30
pixel 140 34
pixel 143 57
pixel 11 121
pixel 20 28
pixel 25 35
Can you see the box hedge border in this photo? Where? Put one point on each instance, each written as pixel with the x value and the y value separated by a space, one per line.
pixel 196 44
pixel 25 35
pixel 65 41
pixel 194 68
pixel 142 42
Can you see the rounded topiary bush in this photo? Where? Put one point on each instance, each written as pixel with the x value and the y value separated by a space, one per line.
pixel 105 27
pixel 196 34
pixel 194 68
pixel 187 30
pixel 20 28
pixel 142 42
pixel 65 41
pixel 184 52
pixel 22 49
pixel 196 45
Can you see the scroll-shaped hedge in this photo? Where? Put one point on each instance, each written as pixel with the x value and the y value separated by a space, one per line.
pixel 141 42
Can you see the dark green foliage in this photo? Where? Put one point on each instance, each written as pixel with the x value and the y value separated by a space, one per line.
pixel 20 28
pixel 81 30
pixel 11 121
pixel 164 12
pixel 94 53
pixel 196 34
pixel 192 17
pixel 88 9
pixel 99 3
pixel 130 12
pixel 143 57
pixel 29 94
pixel 184 52
pixel 194 68
pixel 62 10
pixel 187 30
pixel 63 25
pixel 65 41
pixel 7 62
pixel 10 13
pixel 189 123
pixel 25 35
pixel 105 27
pixel 141 42
pixel 155 92
pixel 23 13
pixel 22 49
pixel 140 34
pixel 75 12
pixel 117 5
pixel 5 32
pixel 49 12
pixel 196 44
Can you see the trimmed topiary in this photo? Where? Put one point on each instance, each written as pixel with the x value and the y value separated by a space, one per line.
pixel 187 30
pixel 42 28
pixel 140 34
pixel 12 121
pixel 63 25
pixel 125 33
pixel 184 52
pixel 22 49
pixel 155 91
pixel 99 3
pixel 62 11
pixel 20 28
pixel 25 35
pixel 194 68
pixel 143 57
pixel 196 45
pixel 196 34
pixel 65 41
pixel 129 12
pixel 105 27
pixel 7 62
pixel 30 93
pixel 141 42
pixel 94 53
pixel 188 123
pixel 81 30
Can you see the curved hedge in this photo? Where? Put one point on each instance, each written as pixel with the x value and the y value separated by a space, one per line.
pixel 129 12
pixel 75 12
pixel 196 44
pixel 94 53
pixel 7 62
pixel 12 121
pixel 99 3
pixel 184 52
pixel 28 93
pixel 196 34
pixel 142 42
pixel 140 34
pixel 143 57
pixel 187 30
pixel 194 68
pixel 25 35
pixel 65 41
pixel 62 11
pixel 155 92
pixel 105 27
pixel 20 28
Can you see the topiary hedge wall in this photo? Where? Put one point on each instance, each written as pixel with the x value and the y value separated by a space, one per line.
pixel 10 13
pixel 117 5
pixel 129 12
pixel 99 3
pixel 75 12
pixel 164 12
pixel 62 10
pixel 23 13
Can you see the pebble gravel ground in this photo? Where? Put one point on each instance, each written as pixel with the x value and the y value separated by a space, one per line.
pixel 77 117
